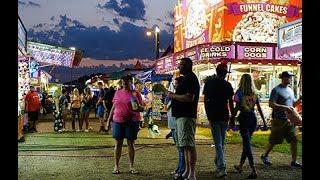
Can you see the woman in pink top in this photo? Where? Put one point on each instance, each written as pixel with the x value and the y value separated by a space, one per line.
pixel 125 116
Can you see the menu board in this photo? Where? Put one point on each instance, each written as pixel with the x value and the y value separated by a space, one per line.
pixel 290 34
pixel 51 54
pixel 254 52
pixel 204 21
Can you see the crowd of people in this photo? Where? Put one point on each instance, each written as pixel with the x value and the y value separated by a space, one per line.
pixel 121 110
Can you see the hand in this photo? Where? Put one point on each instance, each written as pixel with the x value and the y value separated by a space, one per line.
pixel 265 128
pixel 170 94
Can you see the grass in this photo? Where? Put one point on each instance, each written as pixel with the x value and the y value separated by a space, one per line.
pixel 259 140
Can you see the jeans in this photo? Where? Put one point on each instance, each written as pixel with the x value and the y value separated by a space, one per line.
pixel 181 162
pixel 75 112
pixel 246 134
pixel 248 123
pixel 218 130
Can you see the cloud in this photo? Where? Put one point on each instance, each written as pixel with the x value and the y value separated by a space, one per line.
pixel 21 3
pixel 115 20
pixel 100 43
pixel 132 9
pixel 28 4
pixel 90 66
pixel 33 4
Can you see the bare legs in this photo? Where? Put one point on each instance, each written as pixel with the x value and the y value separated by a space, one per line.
pixel 191 159
pixel 117 153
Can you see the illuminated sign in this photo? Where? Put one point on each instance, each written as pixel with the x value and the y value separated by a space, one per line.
pixel 290 34
pixel 51 54
pixel 206 21
pixel 217 52
pixel 22 36
pixel 168 63
pixel 255 52
pixel 159 66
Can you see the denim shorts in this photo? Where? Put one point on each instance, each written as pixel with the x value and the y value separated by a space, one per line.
pixel 100 111
pixel 123 130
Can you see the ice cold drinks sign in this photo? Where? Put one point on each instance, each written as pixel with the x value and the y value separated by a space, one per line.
pixel 254 52
pixel 213 52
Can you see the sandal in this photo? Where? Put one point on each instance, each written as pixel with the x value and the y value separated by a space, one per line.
pixel 238 168
pixel 133 171
pixel 252 176
pixel 116 172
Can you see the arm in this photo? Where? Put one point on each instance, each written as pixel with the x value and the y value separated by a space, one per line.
pixel 297 102
pixel 232 109
pixel 274 105
pixel 111 114
pixel 261 114
pixel 182 98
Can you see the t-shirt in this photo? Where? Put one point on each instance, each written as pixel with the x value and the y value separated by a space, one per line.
pixel 250 100
pixel 76 101
pixel 217 92
pixel 283 96
pixel 122 106
pixel 33 100
pixel 101 95
pixel 189 84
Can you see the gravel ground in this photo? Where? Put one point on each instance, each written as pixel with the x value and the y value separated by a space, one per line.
pixel 47 155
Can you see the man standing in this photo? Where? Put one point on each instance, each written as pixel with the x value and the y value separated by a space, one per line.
pixel 282 101
pixel 184 108
pixel 32 102
pixel 218 94
pixel 100 107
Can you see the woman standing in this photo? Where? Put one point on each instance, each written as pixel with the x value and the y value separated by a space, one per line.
pixel 86 106
pixel 63 105
pixel 125 116
pixel 75 107
pixel 246 98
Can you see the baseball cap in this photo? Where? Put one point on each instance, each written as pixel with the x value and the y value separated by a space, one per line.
pixel 222 68
pixel 285 74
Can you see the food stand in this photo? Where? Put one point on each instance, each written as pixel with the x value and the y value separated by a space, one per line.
pixel 23 76
pixel 241 33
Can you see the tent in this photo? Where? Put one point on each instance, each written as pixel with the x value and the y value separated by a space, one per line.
pixel 151 76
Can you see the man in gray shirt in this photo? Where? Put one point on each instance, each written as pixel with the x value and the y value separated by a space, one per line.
pixel 281 101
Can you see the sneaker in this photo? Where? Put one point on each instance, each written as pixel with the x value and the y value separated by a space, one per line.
pixel 63 129
pixel 78 130
pixel 221 173
pixel 86 130
pixel 295 164
pixel 265 160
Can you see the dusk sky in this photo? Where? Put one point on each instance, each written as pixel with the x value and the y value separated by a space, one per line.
pixel 109 31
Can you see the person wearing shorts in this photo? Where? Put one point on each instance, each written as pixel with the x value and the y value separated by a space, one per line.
pixel 125 121
pixel 184 108
pixel 101 108
pixel 282 101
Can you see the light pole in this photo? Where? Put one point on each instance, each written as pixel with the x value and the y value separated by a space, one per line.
pixel 157 40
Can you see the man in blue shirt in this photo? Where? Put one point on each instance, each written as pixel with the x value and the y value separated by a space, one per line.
pixel 281 101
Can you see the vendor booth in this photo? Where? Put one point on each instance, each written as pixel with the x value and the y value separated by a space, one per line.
pixel 242 34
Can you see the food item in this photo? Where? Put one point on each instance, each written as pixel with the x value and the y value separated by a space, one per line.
pixel 258 27
pixel 196 19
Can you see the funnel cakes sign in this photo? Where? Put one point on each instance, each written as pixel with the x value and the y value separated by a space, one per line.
pixel 211 21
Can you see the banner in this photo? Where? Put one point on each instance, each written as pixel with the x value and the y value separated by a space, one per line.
pixel 206 21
